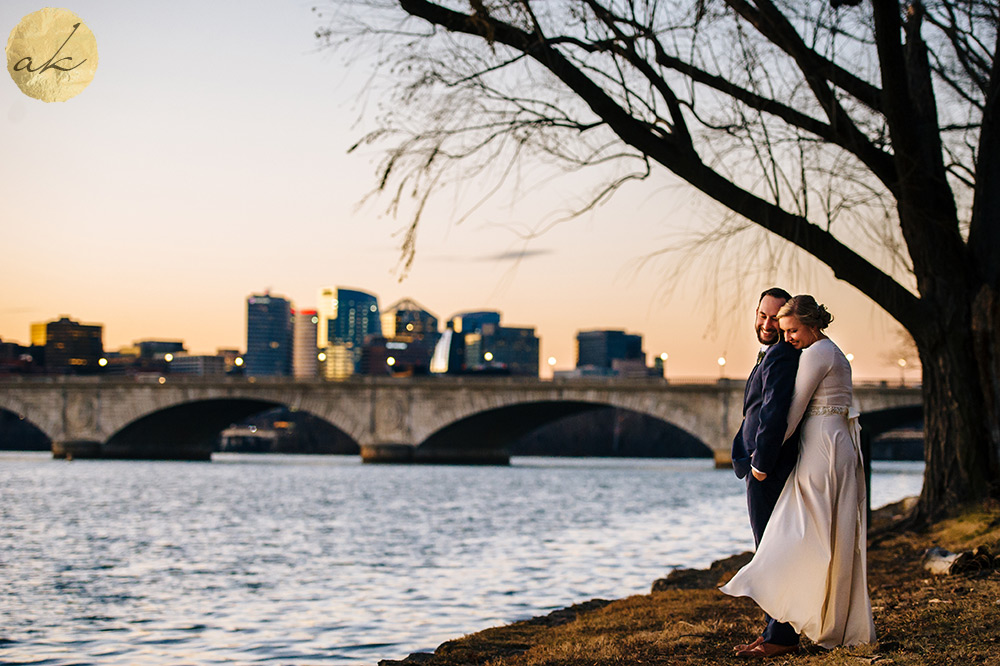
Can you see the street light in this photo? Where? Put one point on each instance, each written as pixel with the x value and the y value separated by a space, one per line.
pixel 663 363
pixel 850 358
pixel 902 369
pixel 391 361
pixel 488 356
pixel 722 366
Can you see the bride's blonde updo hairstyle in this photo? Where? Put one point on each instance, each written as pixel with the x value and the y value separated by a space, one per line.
pixel 805 308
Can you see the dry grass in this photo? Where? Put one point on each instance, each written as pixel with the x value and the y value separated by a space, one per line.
pixel 920 619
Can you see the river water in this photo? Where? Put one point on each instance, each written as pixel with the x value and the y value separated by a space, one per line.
pixel 323 560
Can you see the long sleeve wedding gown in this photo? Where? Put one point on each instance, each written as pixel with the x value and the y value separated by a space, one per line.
pixel 810 568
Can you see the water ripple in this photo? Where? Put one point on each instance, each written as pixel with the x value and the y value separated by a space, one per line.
pixel 296 560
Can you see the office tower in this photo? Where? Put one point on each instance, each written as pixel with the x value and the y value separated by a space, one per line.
pixel 70 346
pixel 356 317
pixel 38 334
pixel 396 356
pixel 347 317
pixel 473 322
pixel 337 361
pixel 508 349
pixel 599 349
pixel 304 352
pixel 326 311
pixel 449 352
pixel 269 336
pixel 407 319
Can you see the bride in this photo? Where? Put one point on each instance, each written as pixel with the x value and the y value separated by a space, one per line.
pixel 810 567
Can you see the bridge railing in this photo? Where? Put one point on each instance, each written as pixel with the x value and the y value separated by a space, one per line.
pixel 478 380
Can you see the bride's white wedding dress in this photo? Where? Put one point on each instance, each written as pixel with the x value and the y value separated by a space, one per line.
pixel 810 569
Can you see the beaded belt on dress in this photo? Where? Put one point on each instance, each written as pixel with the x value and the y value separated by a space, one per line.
pixel 827 410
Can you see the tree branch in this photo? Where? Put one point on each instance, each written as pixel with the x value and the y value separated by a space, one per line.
pixel 984 228
pixel 772 23
pixel 775 27
pixel 847 264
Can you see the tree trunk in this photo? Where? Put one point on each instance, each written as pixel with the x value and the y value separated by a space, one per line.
pixel 959 416
pixel 986 341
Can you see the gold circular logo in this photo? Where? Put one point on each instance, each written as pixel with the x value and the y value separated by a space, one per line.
pixel 51 55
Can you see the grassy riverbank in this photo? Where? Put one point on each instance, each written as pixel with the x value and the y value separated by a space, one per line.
pixel 920 618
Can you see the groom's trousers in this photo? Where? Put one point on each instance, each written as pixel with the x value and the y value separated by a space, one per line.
pixel 761 498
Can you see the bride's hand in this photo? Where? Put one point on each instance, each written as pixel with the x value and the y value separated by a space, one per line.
pixel 760 476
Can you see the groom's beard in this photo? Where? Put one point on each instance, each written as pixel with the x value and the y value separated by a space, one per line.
pixel 774 336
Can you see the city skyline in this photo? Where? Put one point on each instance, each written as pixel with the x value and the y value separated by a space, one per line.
pixel 544 363
pixel 208 160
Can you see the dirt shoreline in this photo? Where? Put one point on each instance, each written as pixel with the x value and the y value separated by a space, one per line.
pixel 920 618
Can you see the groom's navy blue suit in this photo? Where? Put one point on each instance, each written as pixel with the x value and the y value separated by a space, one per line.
pixel 760 443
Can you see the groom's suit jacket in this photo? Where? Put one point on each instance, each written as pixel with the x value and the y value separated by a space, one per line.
pixel 759 442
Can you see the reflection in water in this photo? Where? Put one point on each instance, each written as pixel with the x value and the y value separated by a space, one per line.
pixel 323 560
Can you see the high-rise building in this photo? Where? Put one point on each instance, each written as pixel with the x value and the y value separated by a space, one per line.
pixel 70 346
pixel 599 349
pixel 356 317
pixel 337 361
pixel 407 319
pixel 409 334
pixel 326 311
pixel 449 352
pixel 304 352
pixel 476 342
pixel 513 350
pixel 269 336
pixel 346 318
pixel 399 356
pixel 473 322
pixel 38 334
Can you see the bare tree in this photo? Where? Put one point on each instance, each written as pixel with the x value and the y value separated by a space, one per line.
pixel 866 135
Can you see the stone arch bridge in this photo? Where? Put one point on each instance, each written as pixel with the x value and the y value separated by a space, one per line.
pixel 429 419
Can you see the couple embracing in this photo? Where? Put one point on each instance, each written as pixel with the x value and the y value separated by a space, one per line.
pixel 799 450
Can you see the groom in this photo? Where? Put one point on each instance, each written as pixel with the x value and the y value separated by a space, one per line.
pixel 758 453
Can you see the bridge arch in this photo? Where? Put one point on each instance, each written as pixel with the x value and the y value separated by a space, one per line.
pixel 285 430
pixel 185 430
pixel 176 419
pixel 877 422
pixel 470 431
pixel 14 403
pixel 484 435
pixel 495 430
pixel 189 430
pixel 612 432
pixel 17 432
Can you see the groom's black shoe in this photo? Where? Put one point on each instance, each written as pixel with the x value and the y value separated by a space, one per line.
pixel 749 646
pixel 767 651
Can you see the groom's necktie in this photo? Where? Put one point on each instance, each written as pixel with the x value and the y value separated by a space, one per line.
pixel 760 356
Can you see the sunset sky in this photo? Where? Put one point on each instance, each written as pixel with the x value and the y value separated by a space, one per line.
pixel 208 161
